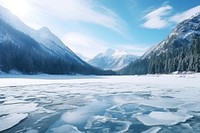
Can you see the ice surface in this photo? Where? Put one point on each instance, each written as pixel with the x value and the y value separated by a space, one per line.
pixel 17 108
pixel 14 101
pixel 65 129
pixel 82 114
pixel 152 130
pixel 124 126
pixel 99 119
pixel 101 103
pixel 32 131
pixel 11 120
pixel 191 107
pixel 99 123
pixel 164 102
pixel 162 118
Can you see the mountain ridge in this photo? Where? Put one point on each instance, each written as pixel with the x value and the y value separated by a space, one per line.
pixel 180 51
pixel 112 59
pixel 47 53
pixel 48 41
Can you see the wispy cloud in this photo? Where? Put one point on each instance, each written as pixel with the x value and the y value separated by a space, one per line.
pixel 161 17
pixel 90 46
pixel 82 10
pixel 185 15
pixel 135 49
pixel 84 44
pixel 155 20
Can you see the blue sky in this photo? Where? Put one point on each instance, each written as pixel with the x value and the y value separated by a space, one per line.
pixel 92 26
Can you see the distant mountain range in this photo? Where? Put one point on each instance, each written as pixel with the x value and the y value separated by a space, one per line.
pixel 40 51
pixel 180 51
pixel 112 59
pixel 36 51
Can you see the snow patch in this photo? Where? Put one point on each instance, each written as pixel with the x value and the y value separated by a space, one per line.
pixel 162 118
pixel 17 108
pixel 11 120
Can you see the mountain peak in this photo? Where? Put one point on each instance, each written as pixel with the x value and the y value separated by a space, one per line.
pixel 115 52
pixel 44 29
pixel 180 51
pixel 109 51
pixel 45 32
pixel 119 52
pixel 42 45
pixel 113 59
pixel 182 33
pixel 187 25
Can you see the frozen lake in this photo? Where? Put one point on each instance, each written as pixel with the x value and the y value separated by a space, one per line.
pixel 100 104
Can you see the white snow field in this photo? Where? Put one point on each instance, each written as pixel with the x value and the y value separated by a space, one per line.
pixel 100 104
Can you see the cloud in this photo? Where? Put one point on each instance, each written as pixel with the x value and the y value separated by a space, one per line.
pixel 89 46
pixel 155 19
pixel 160 18
pixel 81 10
pixel 135 49
pixel 185 15
pixel 84 44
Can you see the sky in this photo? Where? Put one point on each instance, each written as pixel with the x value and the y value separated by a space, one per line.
pixel 89 27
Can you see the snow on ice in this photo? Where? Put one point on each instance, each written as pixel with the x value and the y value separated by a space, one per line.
pixel 151 103
pixel 11 120
pixel 163 118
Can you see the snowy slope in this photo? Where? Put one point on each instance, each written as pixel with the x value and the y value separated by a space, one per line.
pixel 44 36
pixel 180 51
pixel 112 59
pixel 83 57
pixel 31 51
pixel 181 34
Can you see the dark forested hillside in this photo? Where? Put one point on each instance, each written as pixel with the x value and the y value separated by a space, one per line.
pixel 20 52
pixel 180 51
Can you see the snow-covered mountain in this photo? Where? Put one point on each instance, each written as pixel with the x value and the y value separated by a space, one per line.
pixel 112 59
pixel 180 51
pixel 183 33
pixel 41 48
pixel 43 35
